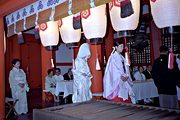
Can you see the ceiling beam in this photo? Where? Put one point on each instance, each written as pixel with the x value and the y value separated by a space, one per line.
pixel 61 11
pixel 10 6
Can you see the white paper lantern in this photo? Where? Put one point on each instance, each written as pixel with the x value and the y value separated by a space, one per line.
pixel 49 33
pixel 165 12
pixel 127 23
pixel 94 22
pixel 68 33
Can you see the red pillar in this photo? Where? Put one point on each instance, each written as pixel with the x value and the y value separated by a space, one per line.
pixel 2 71
pixel 109 41
pixel 46 64
pixel 97 80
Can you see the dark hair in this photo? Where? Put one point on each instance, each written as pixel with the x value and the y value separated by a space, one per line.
pixel 15 60
pixel 116 44
pixel 140 67
pixel 49 71
pixel 69 70
pixel 163 49
pixel 58 69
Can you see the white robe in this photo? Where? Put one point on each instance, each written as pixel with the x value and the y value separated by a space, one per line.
pixel 49 82
pixel 58 78
pixel 17 76
pixel 113 85
pixel 82 84
pixel 139 76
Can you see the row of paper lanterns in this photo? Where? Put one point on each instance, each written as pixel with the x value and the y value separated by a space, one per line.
pixel 165 13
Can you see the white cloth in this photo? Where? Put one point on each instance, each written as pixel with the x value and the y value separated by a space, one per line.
pixel 58 78
pixel 139 76
pixel 145 89
pixel 113 85
pixel 17 76
pixel 64 86
pixel 49 83
pixel 82 76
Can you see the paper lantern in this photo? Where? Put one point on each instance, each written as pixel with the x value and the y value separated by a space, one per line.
pixel 127 23
pixel 94 22
pixel 165 12
pixel 68 34
pixel 49 34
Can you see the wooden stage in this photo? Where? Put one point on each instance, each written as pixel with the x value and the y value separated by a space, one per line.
pixel 105 110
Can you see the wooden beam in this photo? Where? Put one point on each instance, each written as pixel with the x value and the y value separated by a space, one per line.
pixel 61 12
pixel 13 5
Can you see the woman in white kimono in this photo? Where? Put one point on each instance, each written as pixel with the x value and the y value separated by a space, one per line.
pixel 19 87
pixel 117 79
pixel 82 76
pixel 50 84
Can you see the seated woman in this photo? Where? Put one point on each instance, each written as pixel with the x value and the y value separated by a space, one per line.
pixel 140 76
pixel 58 77
pixel 50 84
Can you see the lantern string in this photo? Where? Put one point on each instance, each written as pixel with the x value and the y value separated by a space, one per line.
pixel 15 28
pixel 36 21
pixel 92 4
pixel 70 7
pixel 25 23
pixel 171 55
pixel 73 62
pixel 127 56
pixel 51 18
pixel 97 60
pixel 52 62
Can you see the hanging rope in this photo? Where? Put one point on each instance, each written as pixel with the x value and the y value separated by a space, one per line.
pixel 73 61
pixel 127 56
pixel 97 60
pixel 51 18
pixel 70 7
pixel 171 55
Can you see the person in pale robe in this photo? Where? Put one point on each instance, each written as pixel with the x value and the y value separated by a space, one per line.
pixel 139 75
pixel 19 87
pixel 82 76
pixel 58 77
pixel 117 79
pixel 50 84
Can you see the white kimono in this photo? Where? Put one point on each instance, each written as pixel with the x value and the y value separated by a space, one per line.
pixel 139 76
pixel 17 76
pixel 58 78
pixel 113 85
pixel 82 76
pixel 49 83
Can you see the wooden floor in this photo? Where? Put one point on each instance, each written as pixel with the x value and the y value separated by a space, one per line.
pixel 35 102
pixel 105 110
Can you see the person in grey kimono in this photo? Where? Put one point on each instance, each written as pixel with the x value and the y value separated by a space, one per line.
pixel 19 87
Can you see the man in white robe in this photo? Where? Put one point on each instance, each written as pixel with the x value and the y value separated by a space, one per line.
pixel 58 77
pixel 82 76
pixel 19 87
pixel 117 79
